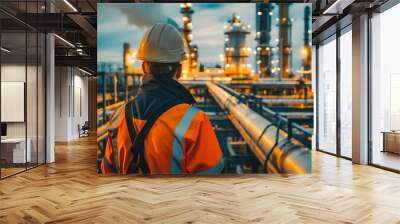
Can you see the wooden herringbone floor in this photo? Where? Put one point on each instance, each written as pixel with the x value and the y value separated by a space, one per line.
pixel 70 191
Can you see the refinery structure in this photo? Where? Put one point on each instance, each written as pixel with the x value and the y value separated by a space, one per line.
pixel 236 48
pixel 191 65
pixel 260 105
pixel 271 58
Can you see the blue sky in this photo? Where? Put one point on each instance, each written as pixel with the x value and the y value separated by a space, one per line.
pixel 126 22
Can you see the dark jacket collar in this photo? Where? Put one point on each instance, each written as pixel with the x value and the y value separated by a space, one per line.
pixel 167 86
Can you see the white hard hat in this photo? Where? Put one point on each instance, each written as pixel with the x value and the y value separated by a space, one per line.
pixel 162 43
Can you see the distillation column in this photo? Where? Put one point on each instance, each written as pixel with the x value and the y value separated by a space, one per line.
pixel 306 52
pixel 264 13
pixel 192 61
pixel 285 39
pixel 127 59
pixel 236 49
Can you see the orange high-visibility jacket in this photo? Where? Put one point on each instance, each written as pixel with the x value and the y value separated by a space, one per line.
pixel 181 141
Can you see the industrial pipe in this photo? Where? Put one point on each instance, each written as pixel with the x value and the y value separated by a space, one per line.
pixel 268 142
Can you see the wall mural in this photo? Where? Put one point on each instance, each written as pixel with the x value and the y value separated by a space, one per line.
pixel 204 89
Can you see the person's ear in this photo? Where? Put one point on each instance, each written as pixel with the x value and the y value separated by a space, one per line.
pixel 144 68
pixel 178 72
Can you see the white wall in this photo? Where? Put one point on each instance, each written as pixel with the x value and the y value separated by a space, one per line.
pixel 71 102
pixel 61 103
pixel 81 104
pixel 13 73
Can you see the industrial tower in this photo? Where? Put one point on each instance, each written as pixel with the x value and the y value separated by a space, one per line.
pixel 285 38
pixel 128 58
pixel 306 52
pixel 236 49
pixel 192 61
pixel 264 13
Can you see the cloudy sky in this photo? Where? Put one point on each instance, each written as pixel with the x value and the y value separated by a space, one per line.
pixel 126 22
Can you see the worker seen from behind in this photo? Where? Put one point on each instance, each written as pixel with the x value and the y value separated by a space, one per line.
pixel 160 131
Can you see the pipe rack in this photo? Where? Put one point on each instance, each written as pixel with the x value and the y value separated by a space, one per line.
pixel 271 145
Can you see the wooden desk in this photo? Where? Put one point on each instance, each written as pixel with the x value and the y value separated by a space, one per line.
pixel 391 141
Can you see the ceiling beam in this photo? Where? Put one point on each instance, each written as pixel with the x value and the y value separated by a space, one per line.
pixel 77 61
pixel 83 23
pixel 337 7
pixel 49 22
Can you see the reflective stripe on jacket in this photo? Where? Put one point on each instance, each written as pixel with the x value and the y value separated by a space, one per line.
pixel 181 140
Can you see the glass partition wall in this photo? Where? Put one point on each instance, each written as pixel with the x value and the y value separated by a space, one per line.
pixel 385 90
pixel 334 90
pixel 345 91
pixel 22 77
pixel 327 96
pixel 334 94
